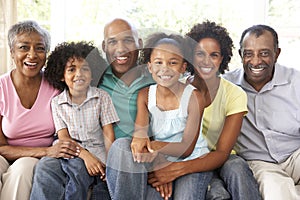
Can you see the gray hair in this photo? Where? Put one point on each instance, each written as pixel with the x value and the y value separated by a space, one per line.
pixel 28 26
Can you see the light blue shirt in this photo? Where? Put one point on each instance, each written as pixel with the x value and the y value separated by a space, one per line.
pixel 271 129
pixel 124 99
pixel 169 125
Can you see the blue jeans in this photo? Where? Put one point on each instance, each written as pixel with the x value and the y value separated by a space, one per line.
pixel 234 180
pixel 127 179
pixel 61 179
pixel 100 190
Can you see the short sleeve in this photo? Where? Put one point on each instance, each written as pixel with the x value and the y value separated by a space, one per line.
pixel 108 114
pixel 56 113
pixel 236 101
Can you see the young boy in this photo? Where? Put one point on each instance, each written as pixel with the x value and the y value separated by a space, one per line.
pixel 81 113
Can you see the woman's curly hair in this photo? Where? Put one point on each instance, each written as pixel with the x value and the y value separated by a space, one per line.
pixel 57 60
pixel 209 29
pixel 158 38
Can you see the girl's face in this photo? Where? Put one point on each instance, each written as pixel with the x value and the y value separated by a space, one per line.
pixel 29 53
pixel 166 64
pixel 77 75
pixel 207 58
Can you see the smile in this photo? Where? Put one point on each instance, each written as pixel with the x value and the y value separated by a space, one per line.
pixel 121 59
pixel 206 69
pixel 79 81
pixel 165 77
pixel 29 64
pixel 258 69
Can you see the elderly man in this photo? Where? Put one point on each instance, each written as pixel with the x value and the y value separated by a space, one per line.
pixel 270 134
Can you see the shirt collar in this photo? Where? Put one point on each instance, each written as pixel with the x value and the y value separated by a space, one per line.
pixel 109 71
pixel 143 68
pixel 278 78
pixel 64 97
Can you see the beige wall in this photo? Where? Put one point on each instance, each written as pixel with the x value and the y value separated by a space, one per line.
pixel 8 16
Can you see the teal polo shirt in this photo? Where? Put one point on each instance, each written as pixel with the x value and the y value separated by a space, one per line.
pixel 124 99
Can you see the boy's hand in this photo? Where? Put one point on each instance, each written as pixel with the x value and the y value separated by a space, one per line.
pixel 93 165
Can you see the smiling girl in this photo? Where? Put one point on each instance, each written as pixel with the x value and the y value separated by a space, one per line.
pixel 170 112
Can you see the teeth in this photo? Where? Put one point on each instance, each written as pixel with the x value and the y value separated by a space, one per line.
pixel 121 58
pixel 256 70
pixel 79 81
pixel 165 77
pixel 30 64
pixel 206 69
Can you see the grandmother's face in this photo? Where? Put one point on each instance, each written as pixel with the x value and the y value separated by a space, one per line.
pixel 29 53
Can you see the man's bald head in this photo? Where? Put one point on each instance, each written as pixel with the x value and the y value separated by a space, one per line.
pixel 121 45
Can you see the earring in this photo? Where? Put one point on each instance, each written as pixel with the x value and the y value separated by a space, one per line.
pixel 182 78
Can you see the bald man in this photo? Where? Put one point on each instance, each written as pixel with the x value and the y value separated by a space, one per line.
pixel 124 77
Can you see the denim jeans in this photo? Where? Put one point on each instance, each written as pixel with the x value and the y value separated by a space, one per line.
pixel 234 180
pixel 61 179
pixel 127 179
pixel 100 190
pixel 77 178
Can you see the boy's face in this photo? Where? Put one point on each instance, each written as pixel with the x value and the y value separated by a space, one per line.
pixel 77 75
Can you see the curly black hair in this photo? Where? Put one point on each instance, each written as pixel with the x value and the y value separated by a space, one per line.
pixel 158 38
pixel 210 29
pixel 57 60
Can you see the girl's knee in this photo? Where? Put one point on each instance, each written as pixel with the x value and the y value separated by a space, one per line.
pixel 120 147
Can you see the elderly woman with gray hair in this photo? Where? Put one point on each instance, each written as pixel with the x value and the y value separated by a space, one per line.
pixel 26 125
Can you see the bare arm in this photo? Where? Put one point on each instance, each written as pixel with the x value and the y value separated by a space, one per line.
pixel 208 162
pixel 140 145
pixel 61 149
pixel 63 134
pixel 92 163
pixel 109 136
